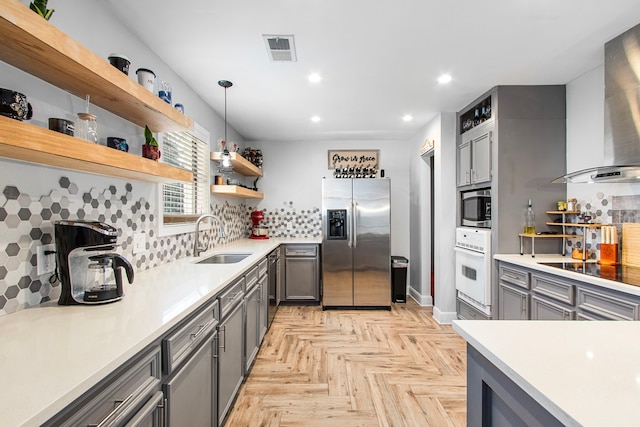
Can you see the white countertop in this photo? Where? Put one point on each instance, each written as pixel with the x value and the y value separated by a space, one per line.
pixel 584 373
pixel 534 262
pixel 52 354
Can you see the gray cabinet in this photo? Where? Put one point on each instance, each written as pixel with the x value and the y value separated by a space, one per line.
pixel 230 360
pixel 514 303
pixel 252 319
pixel 474 155
pixel 263 317
pixel 605 304
pixel 545 309
pixel 302 278
pixel 468 312
pixel 191 392
pixel 131 395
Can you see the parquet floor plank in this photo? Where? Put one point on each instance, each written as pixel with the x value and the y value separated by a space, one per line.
pixel 355 368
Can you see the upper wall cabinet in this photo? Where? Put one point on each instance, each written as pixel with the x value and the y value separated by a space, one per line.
pixel 35 46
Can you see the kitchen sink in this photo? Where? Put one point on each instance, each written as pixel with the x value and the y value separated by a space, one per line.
pixel 229 258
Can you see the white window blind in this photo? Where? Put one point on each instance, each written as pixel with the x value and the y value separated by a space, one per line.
pixel 186 151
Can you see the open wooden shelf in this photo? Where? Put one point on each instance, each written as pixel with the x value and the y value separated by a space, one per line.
pixel 239 164
pixel 576 224
pixel 32 44
pixel 30 143
pixel 236 191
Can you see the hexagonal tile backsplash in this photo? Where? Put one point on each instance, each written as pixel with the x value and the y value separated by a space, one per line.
pixel 26 221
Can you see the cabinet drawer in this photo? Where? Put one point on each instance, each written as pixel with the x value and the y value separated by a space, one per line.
pixel 554 288
pixel 262 267
pixel 607 306
pixel 251 277
pixel 123 395
pixel 182 342
pixel 467 312
pixel 514 275
pixel 232 296
pixel 544 309
pixel 301 250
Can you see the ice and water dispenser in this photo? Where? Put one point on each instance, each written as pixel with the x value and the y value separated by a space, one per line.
pixel 337 224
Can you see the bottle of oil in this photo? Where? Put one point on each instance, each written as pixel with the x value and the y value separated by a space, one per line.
pixel 529 220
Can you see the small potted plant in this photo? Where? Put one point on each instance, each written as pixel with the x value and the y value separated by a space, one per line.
pixel 150 148
pixel 40 7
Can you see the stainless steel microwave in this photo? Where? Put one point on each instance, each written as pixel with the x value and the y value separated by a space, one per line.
pixel 476 208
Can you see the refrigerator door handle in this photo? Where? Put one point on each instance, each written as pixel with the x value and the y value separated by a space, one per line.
pixel 355 224
pixel 350 225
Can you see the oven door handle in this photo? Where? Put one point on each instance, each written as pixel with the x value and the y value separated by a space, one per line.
pixel 469 252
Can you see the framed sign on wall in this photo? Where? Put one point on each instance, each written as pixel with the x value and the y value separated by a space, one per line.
pixel 354 163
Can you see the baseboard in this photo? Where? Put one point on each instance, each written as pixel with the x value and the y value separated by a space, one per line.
pixel 422 300
pixel 444 317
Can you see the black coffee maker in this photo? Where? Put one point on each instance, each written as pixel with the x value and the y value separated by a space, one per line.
pixel 88 269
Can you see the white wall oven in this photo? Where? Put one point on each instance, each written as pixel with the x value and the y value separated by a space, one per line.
pixel 476 208
pixel 473 267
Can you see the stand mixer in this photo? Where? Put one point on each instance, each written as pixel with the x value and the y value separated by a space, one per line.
pixel 89 270
pixel 258 231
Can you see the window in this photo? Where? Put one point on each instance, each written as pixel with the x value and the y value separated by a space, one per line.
pixel 182 201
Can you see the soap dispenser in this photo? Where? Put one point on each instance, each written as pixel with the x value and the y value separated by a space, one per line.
pixel 529 220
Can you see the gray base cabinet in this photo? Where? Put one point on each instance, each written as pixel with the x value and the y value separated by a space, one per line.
pixel 230 360
pixel 495 400
pixel 514 303
pixel 468 312
pixel 252 332
pixel 302 273
pixel 263 318
pixel 554 297
pixel 191 393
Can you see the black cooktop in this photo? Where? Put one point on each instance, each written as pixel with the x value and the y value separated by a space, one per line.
pixel 617 273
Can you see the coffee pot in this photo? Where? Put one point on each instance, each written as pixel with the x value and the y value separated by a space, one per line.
pixel 89 270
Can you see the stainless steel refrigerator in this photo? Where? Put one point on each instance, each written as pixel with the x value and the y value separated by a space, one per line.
pixel 356 243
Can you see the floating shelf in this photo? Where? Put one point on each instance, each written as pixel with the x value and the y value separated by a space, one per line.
pixel 32 44
pixel 236 191
pixel 576 224
pixel 26 142
pixel 239 164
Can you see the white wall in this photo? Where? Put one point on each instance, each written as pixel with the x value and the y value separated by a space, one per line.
pixel 293 172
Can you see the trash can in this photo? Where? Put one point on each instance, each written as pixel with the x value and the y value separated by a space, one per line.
pixel 399 266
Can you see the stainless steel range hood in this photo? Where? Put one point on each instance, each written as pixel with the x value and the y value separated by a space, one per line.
pixel 622 114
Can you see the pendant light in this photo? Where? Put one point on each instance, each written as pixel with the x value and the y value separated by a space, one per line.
pixel 225 158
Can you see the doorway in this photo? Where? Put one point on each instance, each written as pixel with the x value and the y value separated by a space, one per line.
pixel 431 214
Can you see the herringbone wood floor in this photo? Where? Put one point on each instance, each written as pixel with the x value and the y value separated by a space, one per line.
pixel 355 368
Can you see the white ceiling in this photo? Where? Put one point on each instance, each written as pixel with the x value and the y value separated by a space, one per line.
pixel 379 59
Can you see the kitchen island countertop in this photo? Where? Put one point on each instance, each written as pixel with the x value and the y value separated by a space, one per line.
pixel 53 354
pixel 583 373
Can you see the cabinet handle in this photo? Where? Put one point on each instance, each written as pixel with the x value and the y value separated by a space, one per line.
pixel 120 404
pixel 523 299
pixel 223 328
pixel 201 329
pixel 510 276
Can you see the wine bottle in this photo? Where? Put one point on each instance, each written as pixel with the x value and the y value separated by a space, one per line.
pixel 529 220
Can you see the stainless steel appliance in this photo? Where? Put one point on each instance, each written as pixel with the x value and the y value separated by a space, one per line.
pixel 356 245
pixel 473 267
pixel 476 208
pixel 89 270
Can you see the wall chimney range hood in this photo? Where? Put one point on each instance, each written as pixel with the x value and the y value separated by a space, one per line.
pixel 622 114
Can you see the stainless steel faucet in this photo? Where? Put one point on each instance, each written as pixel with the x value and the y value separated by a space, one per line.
pixel 197 248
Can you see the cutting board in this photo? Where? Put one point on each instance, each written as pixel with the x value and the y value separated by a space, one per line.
pixel 631 244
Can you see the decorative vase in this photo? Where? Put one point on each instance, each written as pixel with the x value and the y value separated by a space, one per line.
pixel 150 152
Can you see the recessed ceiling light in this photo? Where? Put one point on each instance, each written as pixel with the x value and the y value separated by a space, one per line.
pixel 407 118
pixel 315 119
pixel 444 79
pixel 315 78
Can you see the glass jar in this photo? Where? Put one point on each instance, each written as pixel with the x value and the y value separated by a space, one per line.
pixel 87 127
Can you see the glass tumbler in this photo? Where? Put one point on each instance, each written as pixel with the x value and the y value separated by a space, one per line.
pixel 87 128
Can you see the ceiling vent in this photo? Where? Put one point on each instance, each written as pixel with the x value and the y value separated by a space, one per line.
pixel 280 48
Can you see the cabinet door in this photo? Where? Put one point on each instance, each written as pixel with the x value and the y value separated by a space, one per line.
pixel 301 278
pixel 151 414
pixel 251 337
pixel 230 366
pixel 481 158
pixel 464 164
pixel 514 304
pixel 191 391
pixel 264 307
pixel 543 309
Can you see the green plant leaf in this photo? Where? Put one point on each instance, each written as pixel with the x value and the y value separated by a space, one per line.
pixel 149 138
pixel 48 14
